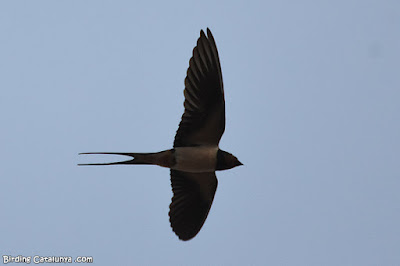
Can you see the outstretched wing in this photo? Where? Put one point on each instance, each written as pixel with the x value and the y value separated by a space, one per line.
pixel 203 121
pixel 191 202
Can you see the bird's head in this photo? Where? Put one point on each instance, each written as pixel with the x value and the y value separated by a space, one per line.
pixel 225 160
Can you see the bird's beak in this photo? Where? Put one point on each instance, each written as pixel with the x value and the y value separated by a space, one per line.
pixel 113 153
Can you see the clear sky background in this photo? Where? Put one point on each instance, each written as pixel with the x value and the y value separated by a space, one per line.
pixel 313 111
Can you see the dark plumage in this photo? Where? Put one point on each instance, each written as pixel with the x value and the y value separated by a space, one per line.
pixel 196 155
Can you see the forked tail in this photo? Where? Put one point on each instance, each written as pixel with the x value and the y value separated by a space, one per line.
pixel 137 158
pixel 162 158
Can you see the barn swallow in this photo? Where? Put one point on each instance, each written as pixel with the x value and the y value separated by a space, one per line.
pixel 195 155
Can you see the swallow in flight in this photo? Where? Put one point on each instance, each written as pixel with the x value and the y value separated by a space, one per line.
pixel 195 156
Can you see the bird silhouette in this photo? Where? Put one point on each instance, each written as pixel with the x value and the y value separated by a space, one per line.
pixel 195 155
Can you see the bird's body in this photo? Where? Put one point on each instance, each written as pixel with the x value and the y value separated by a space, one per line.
pixel 196 154
pixel 196 159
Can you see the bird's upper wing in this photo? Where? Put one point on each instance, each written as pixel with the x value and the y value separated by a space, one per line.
pixel 191 202
pixel 203 121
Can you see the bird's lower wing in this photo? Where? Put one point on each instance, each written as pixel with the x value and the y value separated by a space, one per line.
pixel 191 202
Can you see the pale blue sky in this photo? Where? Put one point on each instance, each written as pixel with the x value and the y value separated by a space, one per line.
pixel 313 109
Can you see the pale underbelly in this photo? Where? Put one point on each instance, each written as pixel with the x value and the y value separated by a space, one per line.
pixel 196 159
